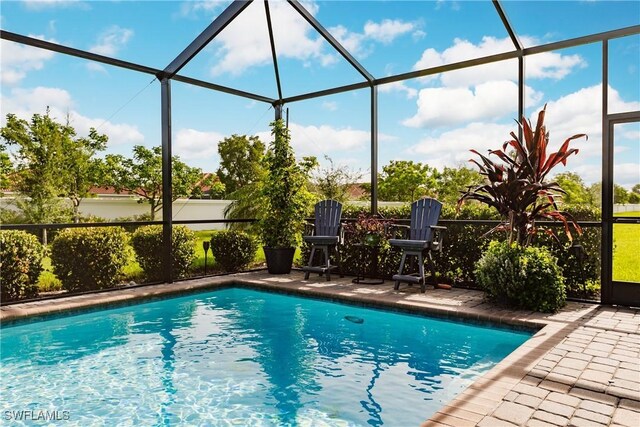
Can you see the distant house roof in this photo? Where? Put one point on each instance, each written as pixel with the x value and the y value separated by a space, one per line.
pixel 356 191
pixel 104 191
pixel 108 190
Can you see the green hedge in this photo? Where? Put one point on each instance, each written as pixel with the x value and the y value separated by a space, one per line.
pixel 521 277
pixel 21 257
pixel 233 250
pixel 464 245
pixel 147 244
pixel 91 258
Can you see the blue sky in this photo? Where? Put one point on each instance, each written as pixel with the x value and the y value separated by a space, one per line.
pixel 435 120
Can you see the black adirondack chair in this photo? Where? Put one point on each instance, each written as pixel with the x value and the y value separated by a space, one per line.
pixel 326 234
pixel 422 237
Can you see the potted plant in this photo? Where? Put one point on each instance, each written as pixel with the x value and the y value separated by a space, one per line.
pixel 517 186
pixel 367 230
pixel 285 201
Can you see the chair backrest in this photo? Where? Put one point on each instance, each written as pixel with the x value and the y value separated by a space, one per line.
pixel 328 217
pixel 424 214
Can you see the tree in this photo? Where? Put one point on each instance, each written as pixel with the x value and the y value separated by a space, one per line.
pixel 52 162
pixel 240 161
pixel 6 168
pixel 620 195
pixel 81 170
pixel 39 148
pixel 142 176
pixel 452 182
pixel 217 190
pixel 576 192
pixel 333 182
pixel 634 195
pixel 595 190
pixel 405 181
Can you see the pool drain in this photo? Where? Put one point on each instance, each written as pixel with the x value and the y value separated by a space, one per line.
pixel 354 319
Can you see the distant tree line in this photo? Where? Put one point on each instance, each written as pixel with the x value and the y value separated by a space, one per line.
pixel 45 161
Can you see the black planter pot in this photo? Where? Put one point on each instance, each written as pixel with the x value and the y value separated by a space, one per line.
pixel 279 260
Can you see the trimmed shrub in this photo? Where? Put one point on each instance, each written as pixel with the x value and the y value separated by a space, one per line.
pixel 147 244
pixel 233 250
pixel 20 264
pixel 523 277
pixel 582 279
pixel 86 259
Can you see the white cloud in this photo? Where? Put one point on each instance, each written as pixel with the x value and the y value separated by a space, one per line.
pixel 94 66
pixel 330 105
pixel 237 48
pixel 627 174
pixel 37 5
pixel 111 40
pixel 578 112
pixel 399 87
pixel 324 139
pixel 208 7
pixel 544 65
pixel 452 147
pixel 244 43
pixel 418 35
pixel 353 42
pixel 384 32
pixel 192 144
pixel 387 30
pixel 448 106
pixel 26 102
pixel 18 59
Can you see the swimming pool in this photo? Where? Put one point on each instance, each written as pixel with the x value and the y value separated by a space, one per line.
pixel 243 357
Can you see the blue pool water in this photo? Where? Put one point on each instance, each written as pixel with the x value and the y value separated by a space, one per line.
pixel 243 357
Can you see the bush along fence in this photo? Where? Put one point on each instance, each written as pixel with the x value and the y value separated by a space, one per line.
pixel 464 245
pixel 21 257
pixel 94 258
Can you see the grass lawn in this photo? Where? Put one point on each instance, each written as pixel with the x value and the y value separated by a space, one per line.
pixel 48 282
pixel 626 252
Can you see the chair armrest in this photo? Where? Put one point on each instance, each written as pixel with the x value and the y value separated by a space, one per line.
pixel 394 228
pixel 438 235
pixel 309 229
pixel 341 232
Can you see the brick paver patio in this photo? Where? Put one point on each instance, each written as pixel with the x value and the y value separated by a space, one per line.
pixel 582 368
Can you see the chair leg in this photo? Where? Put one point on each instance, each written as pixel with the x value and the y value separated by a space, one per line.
pixel 327 265
pixel 404 258
pixel 421 272
pixel 310 264
pixel 338 259
pixel 432 267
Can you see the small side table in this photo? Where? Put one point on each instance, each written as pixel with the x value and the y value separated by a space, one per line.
pixel 363 251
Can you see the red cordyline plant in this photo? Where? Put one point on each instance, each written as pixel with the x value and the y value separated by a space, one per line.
pixel 516 185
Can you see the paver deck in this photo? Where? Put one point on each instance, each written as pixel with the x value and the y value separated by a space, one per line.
pixel 582 368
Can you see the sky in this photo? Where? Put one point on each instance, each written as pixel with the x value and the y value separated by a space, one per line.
pixel 435 120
